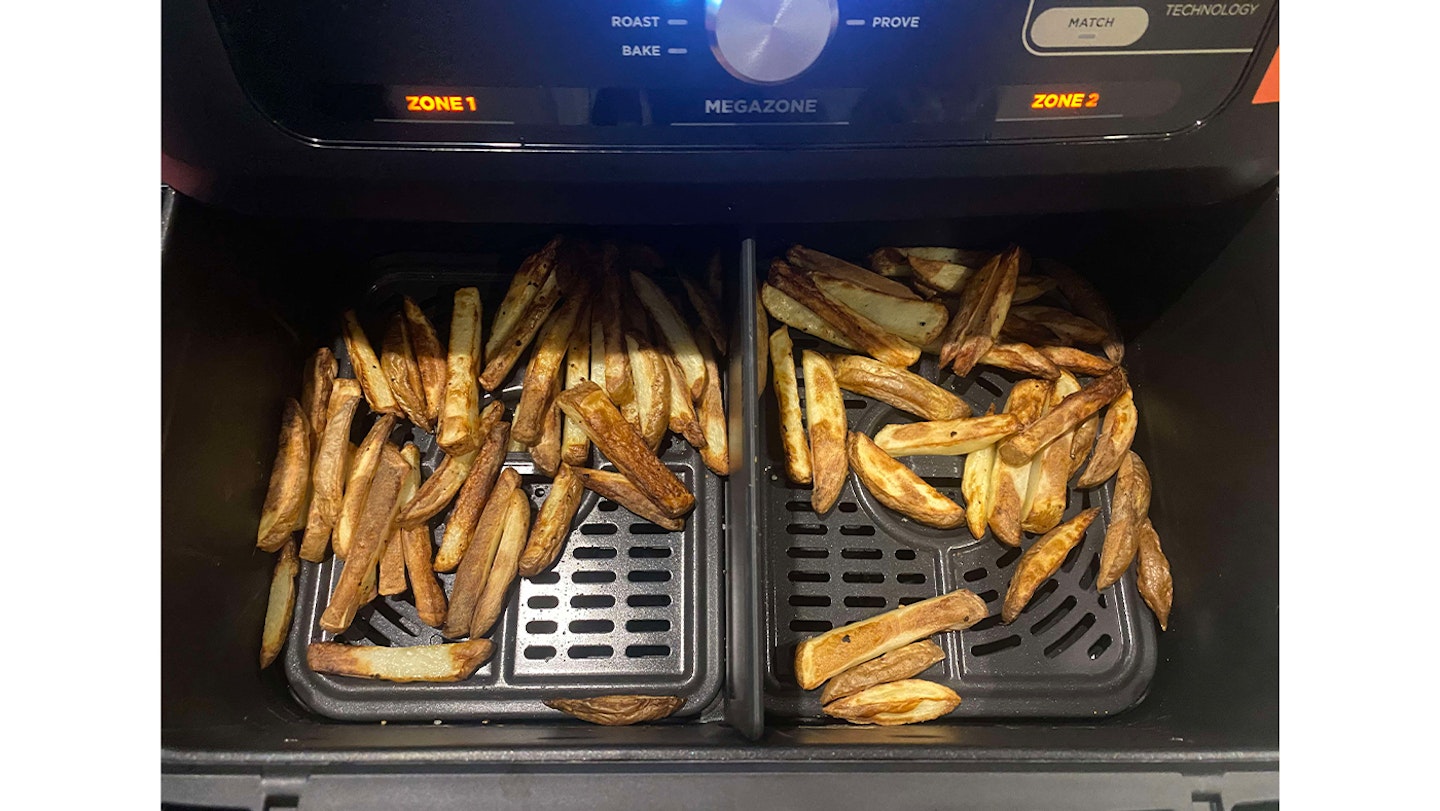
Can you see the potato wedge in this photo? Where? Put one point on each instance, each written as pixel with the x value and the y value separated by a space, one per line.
pixel 1082 442
pixel 825 416
pixel 391 580
pixel 327 478
pixel 367 367
pixel 709 313
pixel 901 663
pixel 284 509
pixel 320 372
pixel 502 569
pixel 574 445
pixel 787 396
pixel 900 388
pixel 976 293
pixel 1153 575
pixel 625 448
pixel 913 319
pixel 975 484
pixel 674 330
pixel 357 482
pixel 908 701
pixel 711 412
pixel 619 489
pixel 402 372
pixel 890 263
pixel 1042 560
pixel 1050 472
pixel 460 524
pixel 1116 433
pixel 438 490
pixel 652 389
pixel 1128 508
pixel 858 330
pixel 1018 329
pixel 499 365
pixel 945 278
pixel 813 261
pixel 618 711
pixel 429 594
pixel 946 437
pixel 1087 302
pixel 839 649
pixel 474 568
pixel 617 380
pixel 455 661
pixel 1022 358
pixel 683 419
pixel 1028 399
pixel 597 349
pixel 1069 326
pixel 792 313
pixel 460 409
pixel 429 356
pixel 1077 361
pixel 525 286
pixel 898 487
pixel 957 256
pixel 994 305
pixel 281 606
pixel 1029 288
pixel 543 375
pixel 1063 418
pixel 376 521
pixel 552 526
pixel 546 453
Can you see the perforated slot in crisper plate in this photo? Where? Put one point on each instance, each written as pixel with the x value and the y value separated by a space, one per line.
pixel 628 608
pixel 1072 653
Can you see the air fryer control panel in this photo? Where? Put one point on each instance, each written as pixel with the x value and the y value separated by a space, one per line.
pixel 737 73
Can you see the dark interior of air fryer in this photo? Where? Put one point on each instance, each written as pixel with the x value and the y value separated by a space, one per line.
pixel 1195 291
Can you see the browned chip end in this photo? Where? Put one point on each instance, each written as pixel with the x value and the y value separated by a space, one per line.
pixel 618 711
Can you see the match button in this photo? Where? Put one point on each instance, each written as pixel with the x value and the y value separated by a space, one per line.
pixel 1089 27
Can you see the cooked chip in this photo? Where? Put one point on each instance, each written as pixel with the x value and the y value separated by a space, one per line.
pixel 1063 418
pixel 835 651
pixel 1042 560
pixel 1153 576
pixel 625 448
pixel 455 661
pixel 460 524
pixel 357 482
pixel 284 510
pixel 438 490
pixel 787 396
pixel 1029 288
pixel 392 560
pixel 1018 329
pixel 975 484
pixel 552 526
pixel 429 594
pixel 546 453
pixel 1082 441
pixel 1116 434
pixel 574 445
pixel 900 388
pixel 429 356
pixel 946 437
pixel 792 313
pixel 1077 360
pixel 502 569
pixel 474 567
pixel 675 331
pixel 617 711
pixel 857 329
pixel 1028 399
pixel 1128 509
pixel 898 487
pixel 320 373
pixel 617 380
pixel 1087 302
pixel 990 308
pixel 397 361
pixel 816 262
pixel 543 374
pixel 1050 472
pixel 357 578
pixel 890 262
pixel 1022 358
pixel 281 605
pixel 709 313
pixel 327 479
pixel 619 489
pixel 908 701
pixel 945 278
pixel 597 348
pixel 525 286
pixel 901 663
pixel 460 409
pixel 507 353
pixel 1071 327
pixel 367 367
pixel 716 453
pixel 652 388
pixel 825 416
pixel 683 419
pixel 908 317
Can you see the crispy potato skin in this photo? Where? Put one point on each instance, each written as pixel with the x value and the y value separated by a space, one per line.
pixel 429 357
pixel 474 568
pixel 376 521
pixel 625 448
pixel 450 662
pixel 542 376
pixel 1042 560
pixel 429 594
pixel 787 397
pixel 901 663
pixel 709 313
pixel 1128 509
pixel 617 380
pixel 947 437
pixel 525 286
pixel 619 489
pixel 284 509
pixel 1067 325
pixel 975 485
pixel 945 278
pixel 821 657
pixel 1116 433
pixel 619 710
pixel 367 367
pixel 1028 399
pixel 281 606
pixel 502 569
pixel 906 317
pixel 900 388
pixel 574 445
pixel 652 389
pixel 328 470
pixel 320 372
pixel 898 487
pixel 546 453
pixel 1154 579
pixel 1077 361
pixel 711 413
pixel 890 262
pixel 908 701
pixel 825 414
pixel 507 353
pixel 792 313
pixel 438 490
pixel 460 525
pixel 1050 471
pixel 814 261
pixel 1022 358
pixel 857 329
pixel 984 305
pixel 1029 288
pixel 1063 418
pixel 397 361
pixel 357 481
pixel 460 407
pixel 552 526
pixel 673 328
pixel 683 418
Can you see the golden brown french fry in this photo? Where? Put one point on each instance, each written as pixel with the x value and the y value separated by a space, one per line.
pixel 460 408
pixel 376 521
pixel 1063 418
pixel 709 313
pixel 455 661
pixel 1087 302
pixel 597 348
pixel 716 453
pixel 908 701
pixel 993 306
pixel 898 487
pixel 429 594
pixel 1050 472
pixel 910 318
pixel 1153 575
pixel 975 484
pixel 546 453
pixel 507 353
pixel 787 395
pixel 525 286
pixel 1028 399
pixel 617 381
pixel 825 416
pixel 460 524
pixel 542 376
pixel 327 479
pixel 619 710
pixel 814 261
pixel 1022 358
pixel 392 560
pixel 652 389
pixel 502 569
pixel 429 356
pixel 792 313
pixel 1042 560
pixel 438 490
pixel 357 482
pixel 1116 434
pixel 367 367
pixel 619 489
pixel 1128 508
pixel 857 329
pixel 946 437
pixel 1077 360
pixel 284 510
pixel 281 605
pixel 475 566
pixel 900 388
pixel 839 649
pixel 675 331
pixel 625 448
pixel 890 263
pixel 402 372
pixel 901 663
pixel 683 419
pixel 1067 325
pixel 1029 288
pixel 945 278
pixel 574 445
pixel 552 526
pixel 320 373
